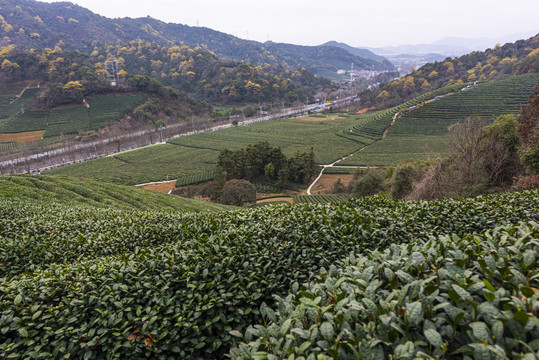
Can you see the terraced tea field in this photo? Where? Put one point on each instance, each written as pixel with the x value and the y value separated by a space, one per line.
pixel 153 163
pixel 79 281
pixel 195 155
pixel 27 98
pixel 91 194
pixel 102 111
pixel 330 140
pixel 424 131
pixel 320 199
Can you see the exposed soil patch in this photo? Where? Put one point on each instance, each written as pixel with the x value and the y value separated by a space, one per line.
pixel 324 185
pixel 363 111
pixel 287 199
pixel 164 187
pixel 22 136
pixel 319 119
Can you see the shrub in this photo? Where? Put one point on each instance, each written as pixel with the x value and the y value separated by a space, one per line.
pixel 404 177
pixel 456 297
pixel 338 187
pixel 238 192
pixel 369 184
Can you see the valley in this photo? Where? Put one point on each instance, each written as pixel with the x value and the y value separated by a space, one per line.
pixel 176 192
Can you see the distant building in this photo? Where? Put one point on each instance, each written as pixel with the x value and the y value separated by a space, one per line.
pixel 341 72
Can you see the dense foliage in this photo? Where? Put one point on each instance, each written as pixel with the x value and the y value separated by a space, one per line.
pixel 528 129
pixel 72 74
pixel 521 57
pixel 107 283
pixel 262 159
pixel 454 297
pixel 197 70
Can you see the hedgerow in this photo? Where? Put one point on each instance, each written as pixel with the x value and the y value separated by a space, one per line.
pixel 121 284
pixel 452 297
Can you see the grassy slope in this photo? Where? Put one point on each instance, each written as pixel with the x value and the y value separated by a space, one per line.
pixel 424 132
pixel 75 191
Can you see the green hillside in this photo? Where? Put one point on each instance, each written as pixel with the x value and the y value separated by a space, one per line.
pixel 33 190
pixel 331 138
pixel 424 131
pixel 80 282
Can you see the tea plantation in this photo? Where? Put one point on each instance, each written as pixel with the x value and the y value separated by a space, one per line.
pixel 424 131
pixel 84 282
pixel 81 192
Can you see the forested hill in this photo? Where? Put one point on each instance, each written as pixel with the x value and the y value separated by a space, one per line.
pixel 364 53
pixel 32 24
pixel 193 70
pixel 520 57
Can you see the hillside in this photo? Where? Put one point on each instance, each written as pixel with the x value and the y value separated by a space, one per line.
pixel 423 131
pixel 520 57
pixel 32 24
pixel 201 73
pixel 48 95
pixel 97 283
pixel 92 194
pixel 358 52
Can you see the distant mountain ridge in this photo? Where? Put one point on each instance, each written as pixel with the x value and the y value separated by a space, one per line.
pixel 357 51
pixel 449 46
pixel 33 24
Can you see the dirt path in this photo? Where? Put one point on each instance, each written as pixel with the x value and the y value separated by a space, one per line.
pixel 287 199
pixel 165 187
pixel 20 94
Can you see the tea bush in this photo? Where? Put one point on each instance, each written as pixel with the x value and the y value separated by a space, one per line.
pixel 454 297
pixel 103 283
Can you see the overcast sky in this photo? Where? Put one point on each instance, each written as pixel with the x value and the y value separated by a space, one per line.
pixel 358 23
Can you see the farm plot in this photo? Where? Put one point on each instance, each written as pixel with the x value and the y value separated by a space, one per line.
pixel 196 155
pixel 70 120
pixel 21 137
pixel 424 132
pixel 290 136
pixel 319 199
pixel 107 109
pixel 67 121
pixel 153 163
pixel 371 130
pixel 195 178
